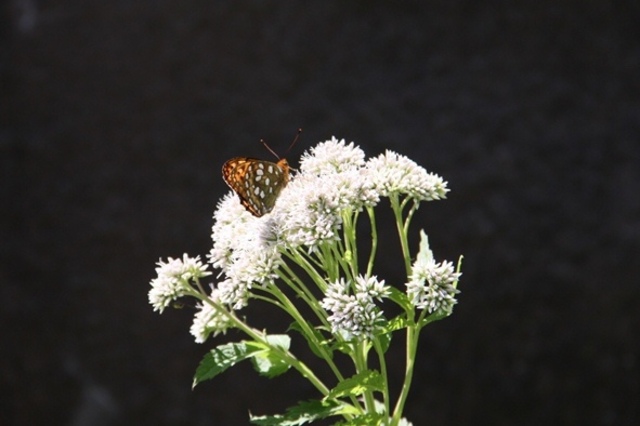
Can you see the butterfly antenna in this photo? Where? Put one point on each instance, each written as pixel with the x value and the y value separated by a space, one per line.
pixel 269 148
pixel 295 139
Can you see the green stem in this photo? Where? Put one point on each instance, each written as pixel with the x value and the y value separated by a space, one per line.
pixel 383 373
pixel 349 221
pixel 294 282
pixel 199 285
pixel 374 240
pixel 411 348
pixel 360 359
pixel 308 331
pixel 412 211
pixel 400 225
pixel 339 253
pixel 259 336
pixel 299 258
pixel 326 257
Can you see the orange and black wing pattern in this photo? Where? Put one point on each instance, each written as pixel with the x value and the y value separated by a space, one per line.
pixel 257 182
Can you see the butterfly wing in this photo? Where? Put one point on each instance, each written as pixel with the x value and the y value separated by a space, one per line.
pixel 275 177
pixel 257 183
pixel 235 173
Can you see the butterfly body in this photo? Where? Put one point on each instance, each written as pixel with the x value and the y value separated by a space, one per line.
pixel 257 182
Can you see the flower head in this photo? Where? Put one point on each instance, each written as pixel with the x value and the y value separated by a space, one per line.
pixel 307 213
pixel 332 181
pixel 209 320
pixel 431 286
pixel 353 311
pixel 332 156
pixel 233 293
pixel 242 251
pixel 394 173
pixel 372 287
pixel 231 227
pixel 173 278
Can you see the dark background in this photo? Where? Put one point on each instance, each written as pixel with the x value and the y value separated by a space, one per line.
pixel 116 118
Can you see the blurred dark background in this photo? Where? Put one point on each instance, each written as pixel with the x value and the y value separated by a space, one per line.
pixel 115 118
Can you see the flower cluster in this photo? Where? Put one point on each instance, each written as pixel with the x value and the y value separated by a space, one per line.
pixel 352 305
pixel 431 285
pixel 334 181
pixel 308 243
pixel 173 279
pixel 394 173
pixel 209 320
pixel 332 156
pixel 241 251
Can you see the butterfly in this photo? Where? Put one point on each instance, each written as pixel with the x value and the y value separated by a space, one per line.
pixel 257 182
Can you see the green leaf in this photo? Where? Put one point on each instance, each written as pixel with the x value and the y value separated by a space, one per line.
pixel 436 316
pixel 270 364
pixel 347 347
pixel 425 255
pixel 366 381
pixel 385 341
pixel 385 335
pixel 221 358
pixel 397 323
pixel 280 340
pixel 314 345
pixel 455 284
pixel 268 361
pixel 305 412
pixel 400 298
pixel 369 419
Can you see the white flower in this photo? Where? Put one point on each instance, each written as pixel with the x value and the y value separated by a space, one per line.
pixel 431 286
pixel 394 173
pixel 233 293
pixel 242 250
pixel 208 320
pixel 372 287
pixel 341 168
pixel 255 264
pixel 354 315
pixel 354 189
pixel 173 277
pixel 231 224
pixel 332 156
pixel 332 181
pixel 307 212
